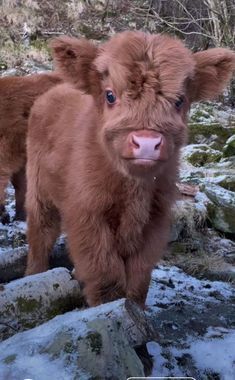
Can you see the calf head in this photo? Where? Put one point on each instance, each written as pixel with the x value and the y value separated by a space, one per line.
pixel 142 86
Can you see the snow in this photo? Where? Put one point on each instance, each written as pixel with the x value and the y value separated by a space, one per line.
pixel 180 285
pixel 216 354
pixel 213 352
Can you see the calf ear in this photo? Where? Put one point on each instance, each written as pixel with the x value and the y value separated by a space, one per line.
pixel 73 58
pixel 214 68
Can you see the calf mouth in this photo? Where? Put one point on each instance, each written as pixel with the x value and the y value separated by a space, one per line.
pixel 145 161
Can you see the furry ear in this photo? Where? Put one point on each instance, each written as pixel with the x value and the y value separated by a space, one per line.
pixel 214 68
pixel 74 58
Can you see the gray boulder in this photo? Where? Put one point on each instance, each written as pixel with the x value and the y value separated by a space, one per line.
pixel 221 208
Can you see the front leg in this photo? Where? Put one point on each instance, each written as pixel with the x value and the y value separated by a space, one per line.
pixel 139 266
pixel 97 265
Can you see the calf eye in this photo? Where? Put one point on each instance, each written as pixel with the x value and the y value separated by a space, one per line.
pixel 110 97
pixel 179 103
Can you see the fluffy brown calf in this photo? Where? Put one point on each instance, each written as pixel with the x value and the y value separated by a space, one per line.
pixel 17 95
pixel 103 161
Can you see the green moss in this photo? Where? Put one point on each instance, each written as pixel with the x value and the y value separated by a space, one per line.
pixel 200 114
pixel 27 305
pixel 62 305
pixel 201 154
pixel 207 130
pixel 40 44
pixel 62 342
pixel 227 182
pixel 10 359
pixel 69 348
pixel 95 342
pixel 56 286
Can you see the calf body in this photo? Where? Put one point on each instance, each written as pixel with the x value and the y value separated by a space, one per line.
pixel 103 155
pixel 17 95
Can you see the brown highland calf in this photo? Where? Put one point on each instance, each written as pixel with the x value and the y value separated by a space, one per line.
pixel 17 95
pixel 103 162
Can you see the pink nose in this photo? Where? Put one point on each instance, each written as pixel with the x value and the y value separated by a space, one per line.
pixel 146 147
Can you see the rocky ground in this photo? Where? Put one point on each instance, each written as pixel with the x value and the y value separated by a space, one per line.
pixel 189 322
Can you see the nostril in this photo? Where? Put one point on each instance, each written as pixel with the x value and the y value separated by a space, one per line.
pixel 158 142
pixel 134 141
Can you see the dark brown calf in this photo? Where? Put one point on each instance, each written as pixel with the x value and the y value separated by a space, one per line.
pixel 103 161
pixel 17 95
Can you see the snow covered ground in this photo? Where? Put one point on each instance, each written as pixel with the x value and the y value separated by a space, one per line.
pixel 195 320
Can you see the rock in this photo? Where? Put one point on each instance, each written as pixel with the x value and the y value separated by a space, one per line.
pixel 211 124
pixel 200 154
pixel 188 217
pixel 213 134
pixel 221 208
pixel 11 73
pixel 32 300
pixel 211 113
pixel 229 148
pixel 93 343
pixel 227 181
pixel 13 260
pixel 222 171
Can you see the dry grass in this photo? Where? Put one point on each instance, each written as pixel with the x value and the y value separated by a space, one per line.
pixel 200 264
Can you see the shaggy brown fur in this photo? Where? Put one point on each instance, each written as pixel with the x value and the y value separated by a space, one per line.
pixel 107 172
pixel 17 95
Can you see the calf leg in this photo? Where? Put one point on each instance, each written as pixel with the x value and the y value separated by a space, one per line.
pixel 19 182
pixel 140 265
pixel 4 179
pixel 138 275
pixel 43 230
pixel 96 262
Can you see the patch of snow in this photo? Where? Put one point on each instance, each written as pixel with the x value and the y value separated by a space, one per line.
pixel 160 363
pixel 171 284
pixel 213 353
pixel 216 353
pixel 37 367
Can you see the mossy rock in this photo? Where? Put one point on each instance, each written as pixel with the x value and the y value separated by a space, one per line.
pixel 201 154
pixel 201 114
pixel 227 181
pixel 229 148
pixel 221 208
pixel 213 133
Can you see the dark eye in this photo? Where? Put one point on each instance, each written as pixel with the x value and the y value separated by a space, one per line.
pixel 110 97
pixel 179 103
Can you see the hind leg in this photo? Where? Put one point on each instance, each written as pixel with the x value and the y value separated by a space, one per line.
pixel 43 230
pixel 4 179
pixel 19 182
